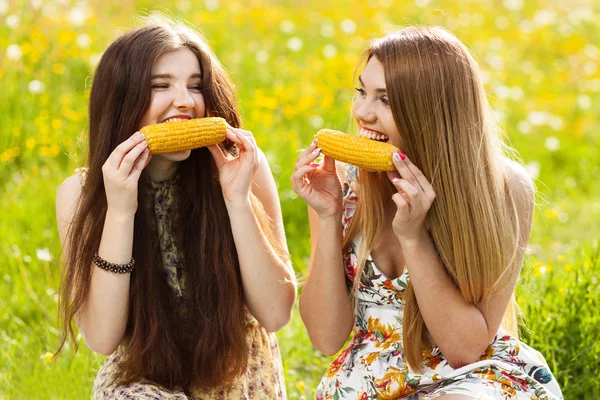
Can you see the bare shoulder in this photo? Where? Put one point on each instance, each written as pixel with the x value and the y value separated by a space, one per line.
pixel 521 186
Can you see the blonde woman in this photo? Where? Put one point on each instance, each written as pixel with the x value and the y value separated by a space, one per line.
pixel 420 263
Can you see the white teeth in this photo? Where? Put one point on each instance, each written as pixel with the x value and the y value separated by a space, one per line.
pixel 174 119
pixel 373 135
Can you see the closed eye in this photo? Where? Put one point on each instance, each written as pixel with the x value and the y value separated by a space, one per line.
pixel 361 91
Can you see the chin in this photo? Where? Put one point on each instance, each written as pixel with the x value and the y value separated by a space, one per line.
pixel 177 156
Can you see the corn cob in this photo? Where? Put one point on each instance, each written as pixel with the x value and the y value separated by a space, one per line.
pixel 190 134
pixel 356 150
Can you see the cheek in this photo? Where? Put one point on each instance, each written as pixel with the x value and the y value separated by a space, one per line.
pixel 200 106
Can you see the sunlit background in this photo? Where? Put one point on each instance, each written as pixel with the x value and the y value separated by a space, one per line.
pixel 293 63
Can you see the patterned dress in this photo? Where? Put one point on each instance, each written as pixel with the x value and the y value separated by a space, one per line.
pixel 372 365
pixel 263 378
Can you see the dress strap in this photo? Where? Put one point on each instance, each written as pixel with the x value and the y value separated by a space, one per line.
pixel 82 172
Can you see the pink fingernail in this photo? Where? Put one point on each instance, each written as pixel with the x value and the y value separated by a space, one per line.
pixel 316 151
pixel 402 156
pixel 314 165
pixel 314 142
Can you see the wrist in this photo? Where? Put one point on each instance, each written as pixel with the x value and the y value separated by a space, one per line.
pixel 240 203
pixel 414 239
pixel 119 215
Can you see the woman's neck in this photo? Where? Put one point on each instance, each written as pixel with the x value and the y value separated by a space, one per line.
pixel 160 169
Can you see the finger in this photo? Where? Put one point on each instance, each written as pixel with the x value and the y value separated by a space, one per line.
pixel 328 164
pixel 248 157
pixel 421 178
pixel 407 191
pixel 230 134
pixel 309 149
pixel 139 165
pixel 401 202
pixel 308 157
pixel 218 155
pixel 130 158
pixel 398 159
pixel 117 155
pixel 298 176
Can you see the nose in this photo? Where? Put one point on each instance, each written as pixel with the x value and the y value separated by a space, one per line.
pixel 363 111
pixel 183 101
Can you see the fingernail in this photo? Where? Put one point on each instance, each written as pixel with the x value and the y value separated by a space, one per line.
pixel 316 151
pixel 396 156
pixel 402 155
pixel 314 142
pixel 395 180
pixel 314 165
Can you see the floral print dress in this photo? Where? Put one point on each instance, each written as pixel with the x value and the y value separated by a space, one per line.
pixel 372 365
pixel 263 378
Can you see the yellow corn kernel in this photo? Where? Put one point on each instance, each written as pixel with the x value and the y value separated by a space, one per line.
pixel 169 137
pixel 356 150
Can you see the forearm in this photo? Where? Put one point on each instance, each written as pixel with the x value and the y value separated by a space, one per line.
pixel 458 328
pixel 103 318
pixel 268 281
pixel 325 304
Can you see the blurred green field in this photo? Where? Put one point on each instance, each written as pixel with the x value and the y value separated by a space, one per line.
pixel 293 63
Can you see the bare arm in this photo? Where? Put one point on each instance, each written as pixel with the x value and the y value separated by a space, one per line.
pixel 268 280
pixel 102 320
pixel 325 304
pixel 461 330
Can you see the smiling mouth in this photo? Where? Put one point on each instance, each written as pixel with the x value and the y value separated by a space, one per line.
pixel 380 137
pixel 175 119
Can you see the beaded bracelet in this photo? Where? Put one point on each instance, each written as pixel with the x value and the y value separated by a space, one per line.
pixel 110 267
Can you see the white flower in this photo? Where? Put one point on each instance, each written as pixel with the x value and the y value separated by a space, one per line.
pixel 287 26
pixel 262 56
pixel 316 121
pixel 348 26
pixel 584 102
pixel 78 15
pixel 524 127
pixel 12 21
pixel 36 86
pixel 94 59
pixel 3 7
pixel 43 254
pixel 513 5
pixel 552 143
pixel 327 30
pixel 83 41
pixel 14 52
pixel 329 51
pixel 294 44
pixel 211 5
pixel 422 3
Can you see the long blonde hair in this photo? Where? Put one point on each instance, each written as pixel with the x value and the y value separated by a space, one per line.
pixel 441 111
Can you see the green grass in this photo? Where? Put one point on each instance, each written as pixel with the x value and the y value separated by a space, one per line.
pixel 540 65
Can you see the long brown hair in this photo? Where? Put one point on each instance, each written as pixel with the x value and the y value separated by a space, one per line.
pixel 206 345
pixel 441 111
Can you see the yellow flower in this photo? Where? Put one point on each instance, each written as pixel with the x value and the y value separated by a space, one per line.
pixel 47 357
pixel 372 357
pixel 392 385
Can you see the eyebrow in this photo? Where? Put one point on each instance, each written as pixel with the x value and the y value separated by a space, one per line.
pixel 169 76
pixel 378 90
